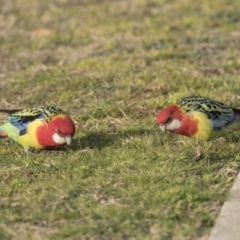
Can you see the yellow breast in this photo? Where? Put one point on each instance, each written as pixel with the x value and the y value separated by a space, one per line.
pixel 205 127
pixel 30 138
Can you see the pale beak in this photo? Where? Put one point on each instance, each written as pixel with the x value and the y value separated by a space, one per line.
pixel 162 127
pixel 68 140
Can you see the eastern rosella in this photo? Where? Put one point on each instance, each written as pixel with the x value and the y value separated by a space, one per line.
pixel 199 117
pixel 38 127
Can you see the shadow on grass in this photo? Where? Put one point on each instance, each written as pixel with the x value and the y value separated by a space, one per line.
pixel 102 139
pixel 234 138
pixel 217 158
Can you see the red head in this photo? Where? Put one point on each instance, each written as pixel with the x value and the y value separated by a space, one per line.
pixel 57 132
pixel 170 118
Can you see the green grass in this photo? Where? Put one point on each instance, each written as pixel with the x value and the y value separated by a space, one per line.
pixel 112 65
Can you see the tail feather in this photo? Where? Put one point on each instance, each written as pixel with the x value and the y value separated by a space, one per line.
pixel 9 130
pixel 10 111
pixel 236 111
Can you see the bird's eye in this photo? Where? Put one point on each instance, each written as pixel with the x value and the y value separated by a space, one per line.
pixel 169 118
pixel 59 131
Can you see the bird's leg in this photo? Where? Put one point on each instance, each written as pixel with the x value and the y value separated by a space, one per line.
pixel 198 150
pixel 26 150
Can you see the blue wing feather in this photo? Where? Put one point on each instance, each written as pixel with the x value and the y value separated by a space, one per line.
pixel 220 114
pixel 18 120
pixel 21 122
pixel 23 132
pixel 219 123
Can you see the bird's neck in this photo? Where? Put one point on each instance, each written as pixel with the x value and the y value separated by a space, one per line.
pixel 189 126
pixel 197 125
pixel 45 134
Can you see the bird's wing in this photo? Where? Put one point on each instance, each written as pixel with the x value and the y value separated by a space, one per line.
pixel 22 118
pixel 220 114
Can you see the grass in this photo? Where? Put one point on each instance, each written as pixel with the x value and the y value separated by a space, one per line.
pixel 112 65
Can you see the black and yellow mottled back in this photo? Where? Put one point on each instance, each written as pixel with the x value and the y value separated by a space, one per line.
pixel 46 112
pixel 213 109
pixel 21 118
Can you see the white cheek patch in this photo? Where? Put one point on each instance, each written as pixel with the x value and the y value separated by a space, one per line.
pixel 175 124
pixel 57 139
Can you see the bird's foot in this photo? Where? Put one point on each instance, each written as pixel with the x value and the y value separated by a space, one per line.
pixel 198 152
pixel 26 150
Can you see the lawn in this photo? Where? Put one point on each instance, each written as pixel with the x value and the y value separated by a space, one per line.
pixel 112 64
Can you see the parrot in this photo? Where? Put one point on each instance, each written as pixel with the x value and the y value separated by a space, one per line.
pixel 200 118
pixel 38 127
